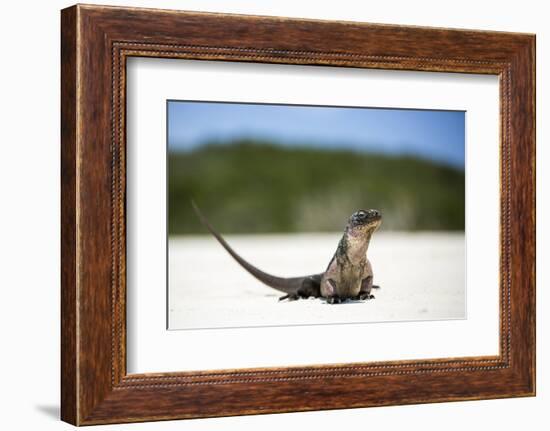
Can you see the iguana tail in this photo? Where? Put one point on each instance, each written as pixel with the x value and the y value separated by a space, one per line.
pixel 287 285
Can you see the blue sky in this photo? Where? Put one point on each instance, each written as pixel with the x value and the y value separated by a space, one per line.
pixel 435 135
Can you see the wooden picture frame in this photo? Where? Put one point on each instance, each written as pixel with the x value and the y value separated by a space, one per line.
pixel 95 43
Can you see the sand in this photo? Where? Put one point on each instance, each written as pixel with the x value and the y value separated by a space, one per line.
pixel 422 277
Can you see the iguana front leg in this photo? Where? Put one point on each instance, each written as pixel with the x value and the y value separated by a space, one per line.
pixel 366 287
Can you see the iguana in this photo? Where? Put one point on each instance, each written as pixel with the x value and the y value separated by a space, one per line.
pixel 348 275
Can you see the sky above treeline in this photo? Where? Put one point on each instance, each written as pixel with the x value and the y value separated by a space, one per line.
pixel 429 134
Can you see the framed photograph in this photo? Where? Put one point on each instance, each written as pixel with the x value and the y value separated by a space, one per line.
pixel 264 214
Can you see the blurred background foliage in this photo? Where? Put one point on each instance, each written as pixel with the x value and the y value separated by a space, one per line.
pixel 253 186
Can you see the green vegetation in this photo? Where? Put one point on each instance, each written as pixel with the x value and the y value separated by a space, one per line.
pixel 253 187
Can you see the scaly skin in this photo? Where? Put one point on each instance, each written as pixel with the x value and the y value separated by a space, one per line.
pixel 348 276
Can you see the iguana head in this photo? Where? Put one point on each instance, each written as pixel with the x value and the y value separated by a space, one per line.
pixel 355 241
pixel 364 220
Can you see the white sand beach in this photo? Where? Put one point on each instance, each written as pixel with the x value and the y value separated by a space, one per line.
pixel 422 277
